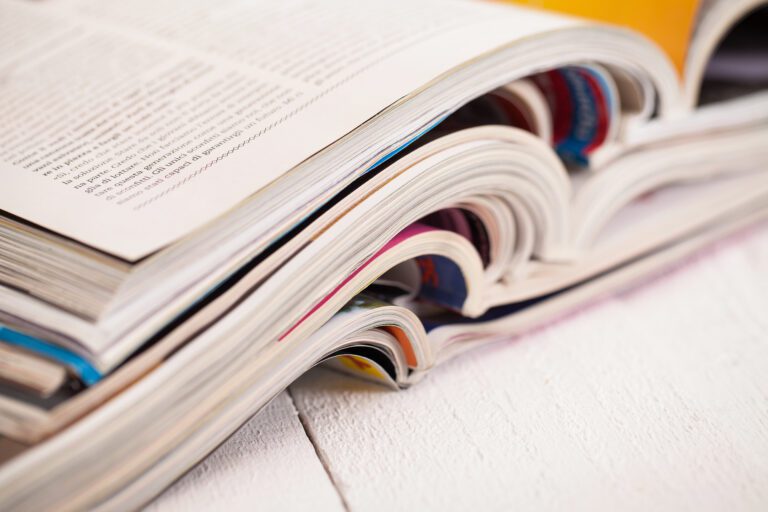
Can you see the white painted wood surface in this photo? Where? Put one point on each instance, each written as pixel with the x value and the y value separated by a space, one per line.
pixel 656 399
pixel 269 464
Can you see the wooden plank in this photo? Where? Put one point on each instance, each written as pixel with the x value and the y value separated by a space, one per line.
pixel 656 399
pixel 269 464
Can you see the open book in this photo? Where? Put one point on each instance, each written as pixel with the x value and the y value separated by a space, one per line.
pixel 200 203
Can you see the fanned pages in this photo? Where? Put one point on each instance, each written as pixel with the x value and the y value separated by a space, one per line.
pixel 201 202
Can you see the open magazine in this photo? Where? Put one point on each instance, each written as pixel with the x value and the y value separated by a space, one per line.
pixel 201 202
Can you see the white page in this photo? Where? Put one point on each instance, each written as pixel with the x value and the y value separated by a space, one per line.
pixel 129 124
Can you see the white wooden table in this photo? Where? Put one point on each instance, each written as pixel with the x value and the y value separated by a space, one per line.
pixel 656 399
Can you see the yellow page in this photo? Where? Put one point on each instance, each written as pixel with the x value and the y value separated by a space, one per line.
pixel 669 24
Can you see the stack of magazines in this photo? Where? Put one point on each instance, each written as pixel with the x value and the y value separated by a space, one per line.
pixel 201 201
